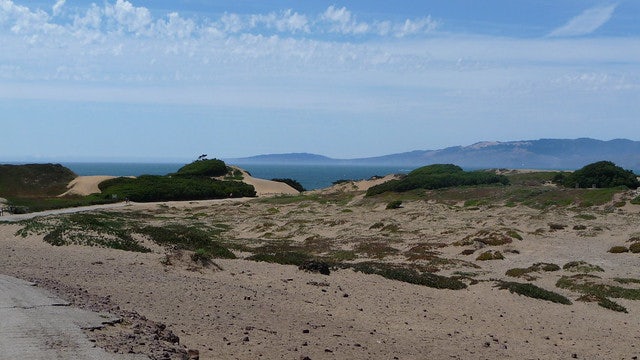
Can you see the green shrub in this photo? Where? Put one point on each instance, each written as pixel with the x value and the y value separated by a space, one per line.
pixel 582 267
pixel 589 285
pixel 284 258
pixel 436 177
pixel 412 276
pixel 602 174
pixel 490 255
pixel 635 247
pixel 395 204
pixel 187 238
pixel 533 291
pixel 206 167
pixel 149 188
pixel 556 226
pixel 315 266
pixel 537 267
pixel 618 249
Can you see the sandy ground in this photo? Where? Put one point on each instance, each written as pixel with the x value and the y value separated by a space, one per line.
pixel 250 310
pixel 85 185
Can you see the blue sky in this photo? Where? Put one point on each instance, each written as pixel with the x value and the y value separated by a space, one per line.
pixel 171 79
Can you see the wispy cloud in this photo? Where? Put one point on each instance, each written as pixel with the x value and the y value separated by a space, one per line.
pixel 586 23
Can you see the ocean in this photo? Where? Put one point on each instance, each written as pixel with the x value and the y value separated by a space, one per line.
pixel 310 176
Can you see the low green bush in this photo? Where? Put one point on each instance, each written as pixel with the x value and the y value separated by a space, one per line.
pixel 438 176
pixel 533 291
pixel 618 249
pixel 205 167
pixel 395 204
pixel 635 247
pixel 582 267
pixel 283 258
pixel 602 174
pixel 490 255
pixel 149 188
pixel 408 275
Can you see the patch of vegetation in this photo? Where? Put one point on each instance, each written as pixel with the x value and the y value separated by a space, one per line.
pixel 490 237
pixel 635 247
pixel 533 291
pixel 408 275
pixel 234 174
pixel 627 280
pixel 525 272
pixel 34 180
pixel 188 238
pixel 436 177
pixel 579 227
pixel 635 200
pixel 490 255
pixel 581 267
pixel 423 252
pixel 315 266
pixel 375 249
pixel 204 167
pixel 603 301
pixel 590 286
pixel 343 255
pixel 148 188
pixel 530 179
pixel 556 226
pixel 89 229
pixel 618 249
pixel 395 204
pixel 474 203
pixel 602 174
pixel 291 182
pixel 586 217
pixel 284 258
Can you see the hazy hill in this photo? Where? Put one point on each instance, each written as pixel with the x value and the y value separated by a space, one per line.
pixel 535 154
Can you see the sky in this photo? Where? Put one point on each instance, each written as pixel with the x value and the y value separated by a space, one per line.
pixel 165 80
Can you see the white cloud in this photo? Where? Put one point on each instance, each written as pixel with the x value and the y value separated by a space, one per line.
pixel 128 17
pixel 57 7
pixel 91 19
pixel 21 20
pixel 343 22
pixel 424 25
pixel 586 23
pixel 176 26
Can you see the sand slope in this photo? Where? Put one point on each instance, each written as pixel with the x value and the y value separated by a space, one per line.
pixel 85 185
pixel 258 310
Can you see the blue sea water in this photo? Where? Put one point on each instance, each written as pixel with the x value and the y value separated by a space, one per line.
pixel 321 176
pixel 310 176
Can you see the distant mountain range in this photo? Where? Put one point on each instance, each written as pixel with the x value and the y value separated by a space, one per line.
pixel 564 154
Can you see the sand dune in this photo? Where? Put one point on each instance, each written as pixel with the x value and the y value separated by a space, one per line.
pixel 85 185
pixel 247 310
